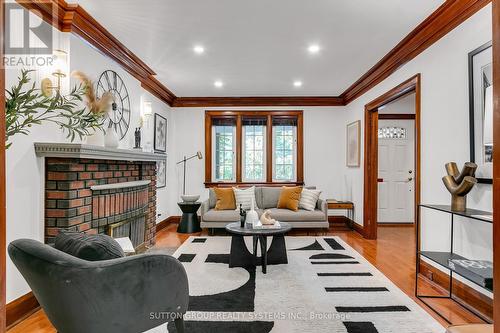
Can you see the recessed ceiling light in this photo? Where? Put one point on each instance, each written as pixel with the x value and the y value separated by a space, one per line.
pixel 297 83
pixel 199 49
pixel 218 84
pixel 314 48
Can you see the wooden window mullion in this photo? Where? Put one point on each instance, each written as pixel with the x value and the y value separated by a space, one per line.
pixel 239 149
pixel 269 149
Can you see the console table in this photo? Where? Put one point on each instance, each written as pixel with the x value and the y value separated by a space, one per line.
pixel 442 258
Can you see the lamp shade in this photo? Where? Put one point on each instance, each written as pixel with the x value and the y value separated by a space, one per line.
pixel 148 109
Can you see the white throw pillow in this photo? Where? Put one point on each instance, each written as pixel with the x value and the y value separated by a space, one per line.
pixel 245 197
pixel 308 199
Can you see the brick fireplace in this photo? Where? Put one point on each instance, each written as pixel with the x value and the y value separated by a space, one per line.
pixel 113 192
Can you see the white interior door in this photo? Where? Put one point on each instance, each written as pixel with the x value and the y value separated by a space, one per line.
pixel 396 171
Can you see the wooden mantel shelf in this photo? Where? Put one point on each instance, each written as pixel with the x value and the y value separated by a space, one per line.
pixel 78 150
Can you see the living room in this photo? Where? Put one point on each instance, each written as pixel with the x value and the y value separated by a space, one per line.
pixel 181 166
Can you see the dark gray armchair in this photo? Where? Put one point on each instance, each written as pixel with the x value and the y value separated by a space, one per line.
pixel 131 294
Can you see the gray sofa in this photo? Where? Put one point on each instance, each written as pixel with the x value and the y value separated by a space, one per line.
pixel 266 199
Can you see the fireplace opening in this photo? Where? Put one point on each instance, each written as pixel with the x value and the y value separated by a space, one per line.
pixel 120 210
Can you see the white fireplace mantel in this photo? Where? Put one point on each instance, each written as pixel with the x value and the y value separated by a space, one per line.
pixel 78 150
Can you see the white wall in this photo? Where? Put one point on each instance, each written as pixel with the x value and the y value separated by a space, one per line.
pixel 25 182
pixel 324 150
pixel 445 133
pixel 405 105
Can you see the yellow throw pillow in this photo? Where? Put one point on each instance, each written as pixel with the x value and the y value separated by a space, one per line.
pixel 225 199
pixel 290 197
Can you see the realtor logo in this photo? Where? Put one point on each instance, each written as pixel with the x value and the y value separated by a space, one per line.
pixel 28 39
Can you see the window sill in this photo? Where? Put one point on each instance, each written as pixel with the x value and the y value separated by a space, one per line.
pixel 245 184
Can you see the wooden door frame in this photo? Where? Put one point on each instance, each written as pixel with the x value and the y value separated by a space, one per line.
pixel 370 193
pixel 496 164
pixel 3 243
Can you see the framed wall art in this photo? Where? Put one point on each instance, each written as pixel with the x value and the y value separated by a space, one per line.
pixel 160 134
pixel 353 144
pixel 481 111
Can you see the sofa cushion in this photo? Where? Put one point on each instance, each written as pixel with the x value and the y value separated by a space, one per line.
pixel 221 216
pixel 212 198
pixel 245 197
pixel 270 197
pixel 89 247
pixel 286 215
pixel 225 199
pixel 289 197
pixel 308 199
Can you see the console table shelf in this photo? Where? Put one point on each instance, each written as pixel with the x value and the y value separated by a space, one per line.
pixel 442 257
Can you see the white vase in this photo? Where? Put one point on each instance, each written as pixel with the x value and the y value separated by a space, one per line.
pixel 111 139
pixel 253 217
pixel 95 139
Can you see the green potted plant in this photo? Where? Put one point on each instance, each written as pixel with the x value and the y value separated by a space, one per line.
pixel 26 106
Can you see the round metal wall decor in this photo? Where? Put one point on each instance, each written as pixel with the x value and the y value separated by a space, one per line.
pixel 119 115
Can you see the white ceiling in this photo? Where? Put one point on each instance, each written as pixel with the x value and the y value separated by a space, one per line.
pixel 259 47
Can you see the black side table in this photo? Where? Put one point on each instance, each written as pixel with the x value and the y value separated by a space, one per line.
pixel 189 221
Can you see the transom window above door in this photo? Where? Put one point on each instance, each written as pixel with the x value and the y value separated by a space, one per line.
pixel 253 147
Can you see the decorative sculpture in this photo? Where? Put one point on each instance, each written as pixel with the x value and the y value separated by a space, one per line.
pixel 266 219
pixel 243 216
pixel 459 184
pixel 137 137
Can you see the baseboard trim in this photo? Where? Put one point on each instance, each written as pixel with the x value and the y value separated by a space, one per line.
pixel 21 308
pixel 338 219
pixel 406 225
pixel 466 294
pixel 166 222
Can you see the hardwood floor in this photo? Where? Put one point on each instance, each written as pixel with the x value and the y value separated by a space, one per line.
pixel 393 253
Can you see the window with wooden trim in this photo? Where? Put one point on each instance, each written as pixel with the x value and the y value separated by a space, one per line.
pixel 253 147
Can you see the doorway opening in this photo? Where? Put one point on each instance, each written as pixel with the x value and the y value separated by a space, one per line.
pixel 396 162
pixel 392 163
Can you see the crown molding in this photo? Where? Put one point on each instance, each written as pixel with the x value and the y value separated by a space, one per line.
pixel 258 101
pixel 159 90
pixel 73 18
pixel 443 20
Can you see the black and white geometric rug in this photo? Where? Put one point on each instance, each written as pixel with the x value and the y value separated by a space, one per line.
pixel 325 287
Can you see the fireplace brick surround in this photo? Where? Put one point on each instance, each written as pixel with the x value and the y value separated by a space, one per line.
pixel 71 204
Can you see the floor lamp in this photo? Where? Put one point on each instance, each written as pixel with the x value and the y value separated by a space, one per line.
pixel 183 161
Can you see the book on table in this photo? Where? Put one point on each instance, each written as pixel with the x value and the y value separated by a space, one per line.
pixel 479 271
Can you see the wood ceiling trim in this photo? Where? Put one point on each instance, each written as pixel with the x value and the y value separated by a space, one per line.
pixel 258 101
pixel 447 17
pixel 73 18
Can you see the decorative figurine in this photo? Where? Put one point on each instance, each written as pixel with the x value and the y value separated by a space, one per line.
pixel 266 219
pixel 459 184
pixel 137 135
pixel 243 216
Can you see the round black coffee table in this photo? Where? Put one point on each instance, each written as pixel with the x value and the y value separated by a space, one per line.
pixel 189 220
pixel 241 257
